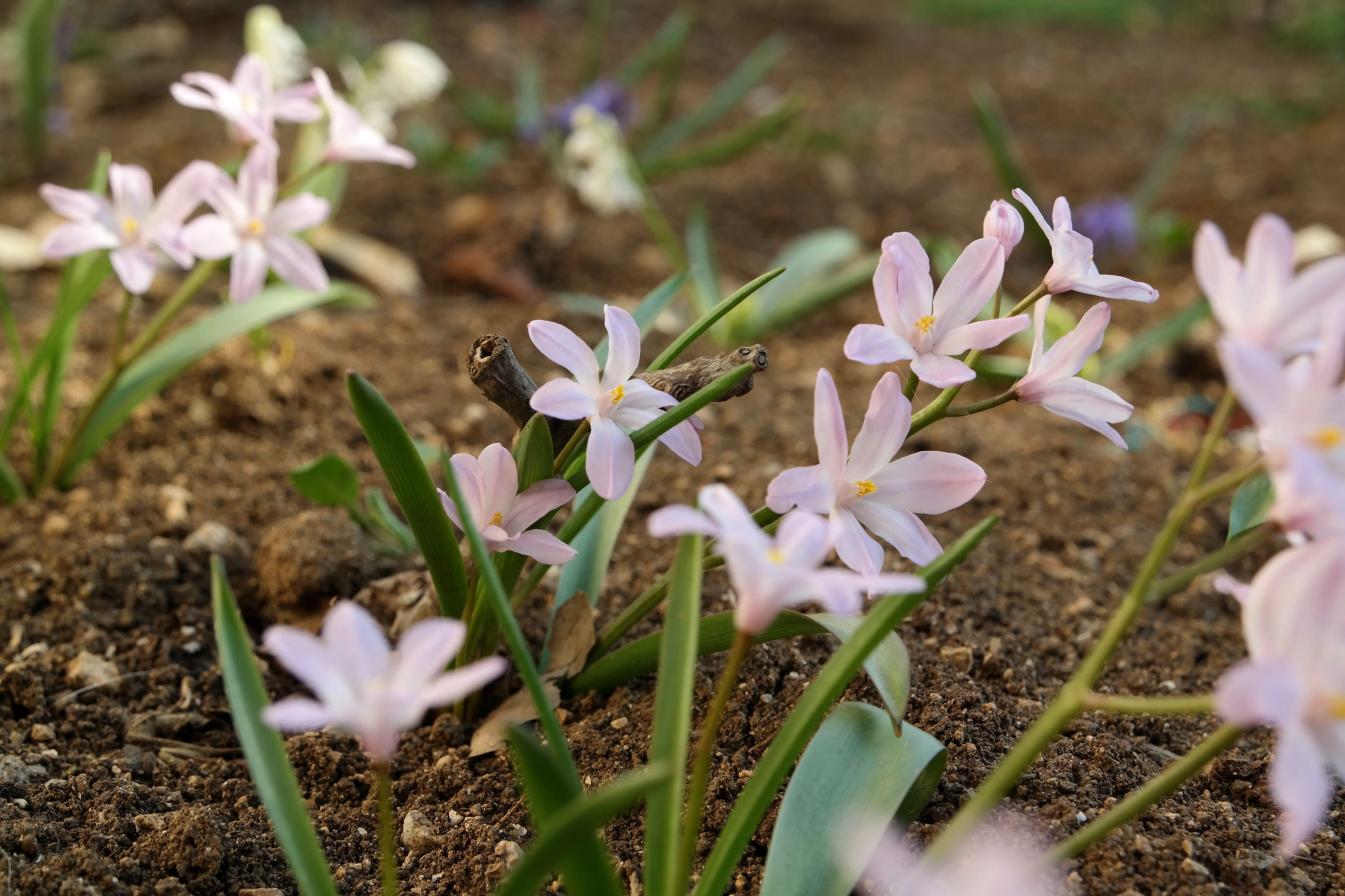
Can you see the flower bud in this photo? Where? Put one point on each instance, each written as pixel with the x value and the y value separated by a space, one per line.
pixel 1003 223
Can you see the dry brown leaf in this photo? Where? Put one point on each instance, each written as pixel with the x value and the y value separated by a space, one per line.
pixel 389 271
pixel 573 635
pixel 490 736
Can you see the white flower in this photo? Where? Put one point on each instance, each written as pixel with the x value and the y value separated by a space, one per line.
pixel 279 46
pixel 596 163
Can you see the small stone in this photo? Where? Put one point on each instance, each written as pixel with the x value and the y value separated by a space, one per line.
pixel 150 821
pixel 55 524
pixel 1142 845
pixel 418 832
pixel 175 502
pixel 620 723
pixel 42 733
pixel 88 670
pixel 1081 817
pixel 1192 867
pixel 960 657
pixel 510 851
pixel 16 775
pixel 454 816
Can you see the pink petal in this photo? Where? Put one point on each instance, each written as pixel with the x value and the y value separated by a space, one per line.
pixel 499 479
pixel 853 545
pixel 1301 786
pixel 351 634
pixel 1072 351
pixel 1256 376
pixel 542 546
pixel 297 714
pixel 424 650
pixel 1037 216
pixel 563 347
pixel 684 441
pixel 885 289
pixel 75 239
pixel 1089 404
pixel 1258 693
pixel 192 97
pixel 295 262
pixel 727 510
pixel 132 191
pixel 941 370
pixel 1220 276
pixel 886 423
pixel 295 104
pixel 257 179
pixel 623 353
pixel 77 205
pixel 829 426
pixel 564 399
pixel 915 287
pixel 1060 214
pixel 971 283
pixel 1270 258
pixel 872 344
pixel 927 482
pixel 537 501
pixel 899 528
pixel 679 519
pixel 981 335
pixel 839 591
pixel 1110 286
pixel 611 458
pixel 450 507
pixel 644 397
pixel 251 76
pixel 135 269
pixel 309 660
pixel 1313 288
pixel 187 190
pixel 453 686
pixel 809 488
pixel 210 236
pixel 297 213
pixel 803 538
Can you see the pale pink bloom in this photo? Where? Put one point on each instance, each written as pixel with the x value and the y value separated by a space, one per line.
pixel 927 327
pixel 999 859
pixel 349 137
pixel 1052 379
pixel 1261 302
pixel 249 102
pixel 864 488
pixel 132 224
pixel 1293 618
pixel 772 572
pixel 611 401
pixel 1299 410
pixel 500 513
pixel 1072 268
pixel 257 231
pixel 365 688
pixel 1003 223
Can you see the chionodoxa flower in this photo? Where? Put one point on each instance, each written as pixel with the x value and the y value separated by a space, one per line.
pixel 365 688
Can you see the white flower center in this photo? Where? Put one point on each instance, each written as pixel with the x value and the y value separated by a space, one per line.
pixel 256 227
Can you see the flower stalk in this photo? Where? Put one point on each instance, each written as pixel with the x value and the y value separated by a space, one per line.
pixel 387 830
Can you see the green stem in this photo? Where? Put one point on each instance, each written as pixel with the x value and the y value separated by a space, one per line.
pixel 656 220
pixel 1070 701
pixel 1223 411
pixel 165 315
pixel 704 754
pixel 571 446
pixel 910 386
pixel 1243 544
pixel 1156 789
pixel 303 177
pixel 123 321
pixel 387 830
pixel 1124 704
pixel 984 404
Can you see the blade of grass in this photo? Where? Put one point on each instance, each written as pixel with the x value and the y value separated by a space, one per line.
pixel 589 813
pixel 999 143
pixel 709 319
pixel 262 745
pixel 701 260
pixel 415 493
pixel 647 312
pixel 36 39
pixel 669 39
pixel 668 744
pixel 724 149
pixel 761 789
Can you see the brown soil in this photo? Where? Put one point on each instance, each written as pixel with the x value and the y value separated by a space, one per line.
pixel 137 787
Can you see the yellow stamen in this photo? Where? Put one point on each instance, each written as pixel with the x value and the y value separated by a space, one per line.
pixel 864 487
pixel 617 394
pixel 129 227
pixel 1328 437
pixel 1335 707
pixel 256 227
pixel 925 324
pixel 497 519
pixel 775 556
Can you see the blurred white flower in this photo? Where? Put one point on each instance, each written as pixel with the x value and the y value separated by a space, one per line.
pixel 401 75
pixel 280 46
pixel 596 163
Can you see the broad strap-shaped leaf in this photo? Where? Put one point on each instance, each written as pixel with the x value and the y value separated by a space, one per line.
pixel 262 745
pixel 162 364
pixel 889 666
pixel 808 260
pixel 855 770
pixel 1251 505
pixel 329 480
pixel 415 492
pixel 669 742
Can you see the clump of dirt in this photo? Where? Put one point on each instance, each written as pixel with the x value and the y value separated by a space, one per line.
pixel 305 561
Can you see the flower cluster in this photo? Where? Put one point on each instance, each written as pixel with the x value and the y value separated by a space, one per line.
pixel 254 220
pixel 1282 344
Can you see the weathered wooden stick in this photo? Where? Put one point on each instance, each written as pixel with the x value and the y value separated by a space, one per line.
pixel 496 371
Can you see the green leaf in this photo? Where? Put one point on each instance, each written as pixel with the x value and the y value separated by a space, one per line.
pixel 262 745
pixel 670 354
pixel 760 791
pixel 397 534
pixel 889 666
pixel 721 150
pixel 588 813
pixel 701 260
pixel 330 481
pixel 647 312
pixel 529 114
pixel 586 571
pixel 585 865
pixel 668 744
pixel 35 31
pixel 1251 504
pixel 855 765
pixel 415 493
pixel 1000 146
pixel 162 364
pixel 534 452
pixel 728 94
pixel 808 260
pixel 668 40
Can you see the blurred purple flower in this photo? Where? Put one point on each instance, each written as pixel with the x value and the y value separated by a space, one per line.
pixel 604 97
pixel 1111 224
